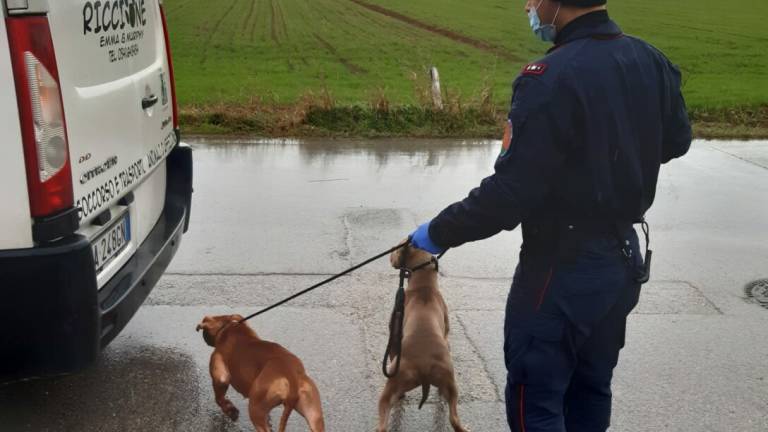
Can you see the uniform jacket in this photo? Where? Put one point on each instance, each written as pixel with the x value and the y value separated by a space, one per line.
pixel 590 125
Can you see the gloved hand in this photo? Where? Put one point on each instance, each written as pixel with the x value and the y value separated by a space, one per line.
pixel 420 239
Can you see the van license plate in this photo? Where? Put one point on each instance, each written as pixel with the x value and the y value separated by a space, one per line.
pixel 111 242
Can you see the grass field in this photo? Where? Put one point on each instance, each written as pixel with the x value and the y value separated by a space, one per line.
pixel 360 52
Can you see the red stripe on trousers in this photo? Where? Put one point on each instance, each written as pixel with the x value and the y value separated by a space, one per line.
pixel 545 288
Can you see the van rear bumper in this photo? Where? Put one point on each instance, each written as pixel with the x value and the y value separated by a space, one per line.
pixel 54 319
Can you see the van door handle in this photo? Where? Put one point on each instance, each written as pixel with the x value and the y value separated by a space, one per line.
pixel 149 101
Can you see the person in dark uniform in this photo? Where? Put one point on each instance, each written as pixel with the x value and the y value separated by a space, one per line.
pixel 590 125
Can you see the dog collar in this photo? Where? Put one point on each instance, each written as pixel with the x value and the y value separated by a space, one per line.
pixel 433 260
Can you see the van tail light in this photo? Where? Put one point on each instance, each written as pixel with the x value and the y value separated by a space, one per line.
pixel 41 111
pixel 170 67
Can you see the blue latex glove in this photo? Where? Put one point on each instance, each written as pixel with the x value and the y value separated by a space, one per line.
pixel 421 240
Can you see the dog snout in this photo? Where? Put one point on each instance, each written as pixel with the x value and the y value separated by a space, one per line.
pixel 396 256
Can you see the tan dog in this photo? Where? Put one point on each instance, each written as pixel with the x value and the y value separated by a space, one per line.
pixel 426 359
pixel 264 372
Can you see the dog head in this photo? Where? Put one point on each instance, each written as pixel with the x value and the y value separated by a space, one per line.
pixel 413 256
pixel 212 325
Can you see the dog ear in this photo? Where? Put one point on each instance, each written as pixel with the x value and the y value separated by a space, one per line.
pixel 205 324
pixel 394 259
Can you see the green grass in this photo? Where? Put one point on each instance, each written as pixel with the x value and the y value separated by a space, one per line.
pixel 278 51
pixel 285 48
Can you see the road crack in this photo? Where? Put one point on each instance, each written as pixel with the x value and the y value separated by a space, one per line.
pixel 483 360
pixel 743 159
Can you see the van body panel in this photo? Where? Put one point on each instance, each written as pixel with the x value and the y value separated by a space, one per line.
pixel 116 90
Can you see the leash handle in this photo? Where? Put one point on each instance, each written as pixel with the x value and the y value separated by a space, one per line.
pixel 394 348
pixel 395 343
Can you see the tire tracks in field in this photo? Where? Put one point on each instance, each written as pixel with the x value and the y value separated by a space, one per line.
pixel 440 31
pixel 212 33
pixel 248 16
pixel 231 38
pixel 278 24
pixel 351 67
pixel 719 32
pixel 177 6
pixel 254 24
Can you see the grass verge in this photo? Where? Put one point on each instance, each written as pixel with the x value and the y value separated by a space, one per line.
pixel 731 123
pixel 322 118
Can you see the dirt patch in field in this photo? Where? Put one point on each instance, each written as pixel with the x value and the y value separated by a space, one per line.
pixel 351 67
pixel 450 34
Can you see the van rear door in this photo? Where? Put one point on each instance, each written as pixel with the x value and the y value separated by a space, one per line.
pixel 116 91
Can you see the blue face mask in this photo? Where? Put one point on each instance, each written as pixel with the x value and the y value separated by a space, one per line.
pixel 545 32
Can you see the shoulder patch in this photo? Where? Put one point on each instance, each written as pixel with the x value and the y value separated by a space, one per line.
pixel 535 69
pixel 506 141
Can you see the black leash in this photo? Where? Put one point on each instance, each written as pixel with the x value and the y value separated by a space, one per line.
pixel 394 349
pixel 395 344
pixel 329 280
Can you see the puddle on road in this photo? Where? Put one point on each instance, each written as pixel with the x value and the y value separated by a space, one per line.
pixel 378 153
pixel 143 388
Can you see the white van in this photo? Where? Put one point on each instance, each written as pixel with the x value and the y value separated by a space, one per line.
pixel 94 184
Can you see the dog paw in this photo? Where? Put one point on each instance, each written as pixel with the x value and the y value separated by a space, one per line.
pixel 233 414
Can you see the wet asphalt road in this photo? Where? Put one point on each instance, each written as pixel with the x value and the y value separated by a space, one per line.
pixel 274 217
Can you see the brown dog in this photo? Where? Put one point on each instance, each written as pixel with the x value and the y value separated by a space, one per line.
pixel 426 359
pixel 264 372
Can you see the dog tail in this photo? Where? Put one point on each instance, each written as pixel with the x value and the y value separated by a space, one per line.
pixel 424 394
pixel 287 409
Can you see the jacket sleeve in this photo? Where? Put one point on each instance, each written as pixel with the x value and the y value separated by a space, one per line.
pixel 523 173
pixel 677 126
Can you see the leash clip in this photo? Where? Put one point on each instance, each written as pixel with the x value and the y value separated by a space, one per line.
pixel 405 273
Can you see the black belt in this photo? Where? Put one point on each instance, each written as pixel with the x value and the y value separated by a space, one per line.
pixel 565 237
